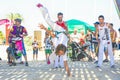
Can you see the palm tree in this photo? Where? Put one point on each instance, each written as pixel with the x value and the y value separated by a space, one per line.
pixel 2 37
pixel 13 16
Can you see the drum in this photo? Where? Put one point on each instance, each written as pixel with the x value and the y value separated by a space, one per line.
pixel 14 39
pixel 18 46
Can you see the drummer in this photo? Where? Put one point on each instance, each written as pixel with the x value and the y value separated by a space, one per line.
pixel 19 31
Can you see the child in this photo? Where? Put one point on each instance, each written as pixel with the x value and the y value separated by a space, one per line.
pixel 11 56
pixel 8 50
pixel 48 45
pixel 35 49
pixel 59 59
pixel 61 51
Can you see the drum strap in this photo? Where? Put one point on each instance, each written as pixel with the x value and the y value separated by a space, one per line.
pixel 19 30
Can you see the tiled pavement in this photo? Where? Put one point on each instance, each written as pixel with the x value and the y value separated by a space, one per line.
pixel 39 70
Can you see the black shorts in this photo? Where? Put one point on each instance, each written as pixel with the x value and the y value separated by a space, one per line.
pixel 35 51
pixel 114 45
pixel 119 46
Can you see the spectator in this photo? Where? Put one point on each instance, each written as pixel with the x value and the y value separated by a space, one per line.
pixel 11 55
pixel 8 50
pixel 48 46
pixel 89 37
pixel 74 37
pixel 35 49
pixel 95 41
pixel 83 36
pixel 0 58
pixel 119 39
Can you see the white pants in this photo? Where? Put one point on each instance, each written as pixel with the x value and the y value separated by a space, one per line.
pixel 101 52
pixel 59 61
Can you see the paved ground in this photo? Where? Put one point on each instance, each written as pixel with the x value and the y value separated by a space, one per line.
pixel 39 70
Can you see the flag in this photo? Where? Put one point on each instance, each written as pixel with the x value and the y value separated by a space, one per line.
pixel 4 21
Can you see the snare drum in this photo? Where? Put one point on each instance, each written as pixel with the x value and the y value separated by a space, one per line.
pixel 14 39
pixel 18 43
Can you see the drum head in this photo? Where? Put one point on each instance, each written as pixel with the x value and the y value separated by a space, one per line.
pixel 17 39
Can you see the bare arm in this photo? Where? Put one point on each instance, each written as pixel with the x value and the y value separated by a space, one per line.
pixel 44 39
pixel 97 31
pixel 67 68
pixel 10 34
pixel 44 28
pixel 114 35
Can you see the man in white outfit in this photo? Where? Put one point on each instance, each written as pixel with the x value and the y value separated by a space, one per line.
pixel 62 37
pixel 59 59
pixel 104 39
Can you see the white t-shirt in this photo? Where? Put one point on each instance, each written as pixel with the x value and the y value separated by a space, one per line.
pixel 47 43
pixel 75 37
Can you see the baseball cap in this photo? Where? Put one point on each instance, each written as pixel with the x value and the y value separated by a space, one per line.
pixel 18 20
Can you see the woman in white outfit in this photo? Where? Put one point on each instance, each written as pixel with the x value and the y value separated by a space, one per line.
pixel 62 37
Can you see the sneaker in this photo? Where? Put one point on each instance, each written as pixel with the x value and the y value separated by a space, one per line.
pixel 95 62
pixel 55 67
pixel 9 62
pixel 113 66
pixel 97 66
pixel 90 59
pixel 61 67
pixel 12 64
pixel 106 60
pixel 21 62
pixel 39 5
pixel 26 64
pixel 48 62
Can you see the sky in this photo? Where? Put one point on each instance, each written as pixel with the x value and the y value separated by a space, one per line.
pixel 84 10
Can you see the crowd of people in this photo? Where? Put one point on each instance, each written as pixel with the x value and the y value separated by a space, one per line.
pixel 96 43
pixel 101 41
